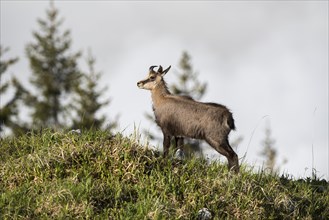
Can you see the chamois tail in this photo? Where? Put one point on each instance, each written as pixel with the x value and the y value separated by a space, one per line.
pixel 230 122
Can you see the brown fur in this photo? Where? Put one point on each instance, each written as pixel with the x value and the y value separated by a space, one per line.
pixel 181 116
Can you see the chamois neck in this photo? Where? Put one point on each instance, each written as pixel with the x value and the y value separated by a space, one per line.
pixel 159 93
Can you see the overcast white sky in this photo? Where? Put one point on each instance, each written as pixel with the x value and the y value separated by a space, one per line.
pixel 258 58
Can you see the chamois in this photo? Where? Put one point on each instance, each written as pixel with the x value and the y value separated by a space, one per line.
pixel 181 117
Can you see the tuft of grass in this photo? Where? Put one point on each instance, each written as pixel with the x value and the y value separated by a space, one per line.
pixel 97 175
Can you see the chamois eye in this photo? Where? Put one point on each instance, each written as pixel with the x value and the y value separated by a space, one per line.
pixel 152 77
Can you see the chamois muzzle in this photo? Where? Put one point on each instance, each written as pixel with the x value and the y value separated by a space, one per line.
pixel 140 84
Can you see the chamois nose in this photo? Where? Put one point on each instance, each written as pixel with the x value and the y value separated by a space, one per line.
pixel 139 84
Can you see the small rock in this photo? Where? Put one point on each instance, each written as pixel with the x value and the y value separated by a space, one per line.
pixel 179 155
pixel 204 214
pixel 77 131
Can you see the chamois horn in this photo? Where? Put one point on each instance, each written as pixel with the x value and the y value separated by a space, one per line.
pixel 151 68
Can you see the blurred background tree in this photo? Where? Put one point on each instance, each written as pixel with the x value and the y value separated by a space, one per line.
pixel 54 72
pixel 187 78
pixel 87 101
pixel 9 110
pixel 269 152
pixel 63 95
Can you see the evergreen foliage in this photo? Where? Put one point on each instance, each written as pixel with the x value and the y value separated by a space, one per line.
pixel 87 102
pixel 269 152
pixel 63 95
pixel 54 70
pixel 188 85
pixel 9 110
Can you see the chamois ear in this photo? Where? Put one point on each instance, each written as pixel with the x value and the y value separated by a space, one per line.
pixel 165 71
pixel 160 69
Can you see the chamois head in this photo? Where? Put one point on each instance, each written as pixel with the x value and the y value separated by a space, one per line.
pixel 153 78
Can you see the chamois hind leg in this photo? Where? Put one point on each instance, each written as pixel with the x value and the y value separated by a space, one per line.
pixel 166 144
pixel 224 148
pixel 179 143
pixel 233 163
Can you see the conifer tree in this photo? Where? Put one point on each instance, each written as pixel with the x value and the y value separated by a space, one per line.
pixel 87 102
pixel 54 71
pixel 269 152
pixel 9 110
pixel 188 83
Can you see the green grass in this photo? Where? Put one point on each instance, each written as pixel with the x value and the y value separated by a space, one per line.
pixel 97 175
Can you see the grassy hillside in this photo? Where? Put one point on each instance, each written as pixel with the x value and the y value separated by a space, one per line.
pixel 97 175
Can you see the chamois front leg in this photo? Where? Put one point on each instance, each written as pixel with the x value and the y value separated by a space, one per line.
pixel 179 143
pixel 166 144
